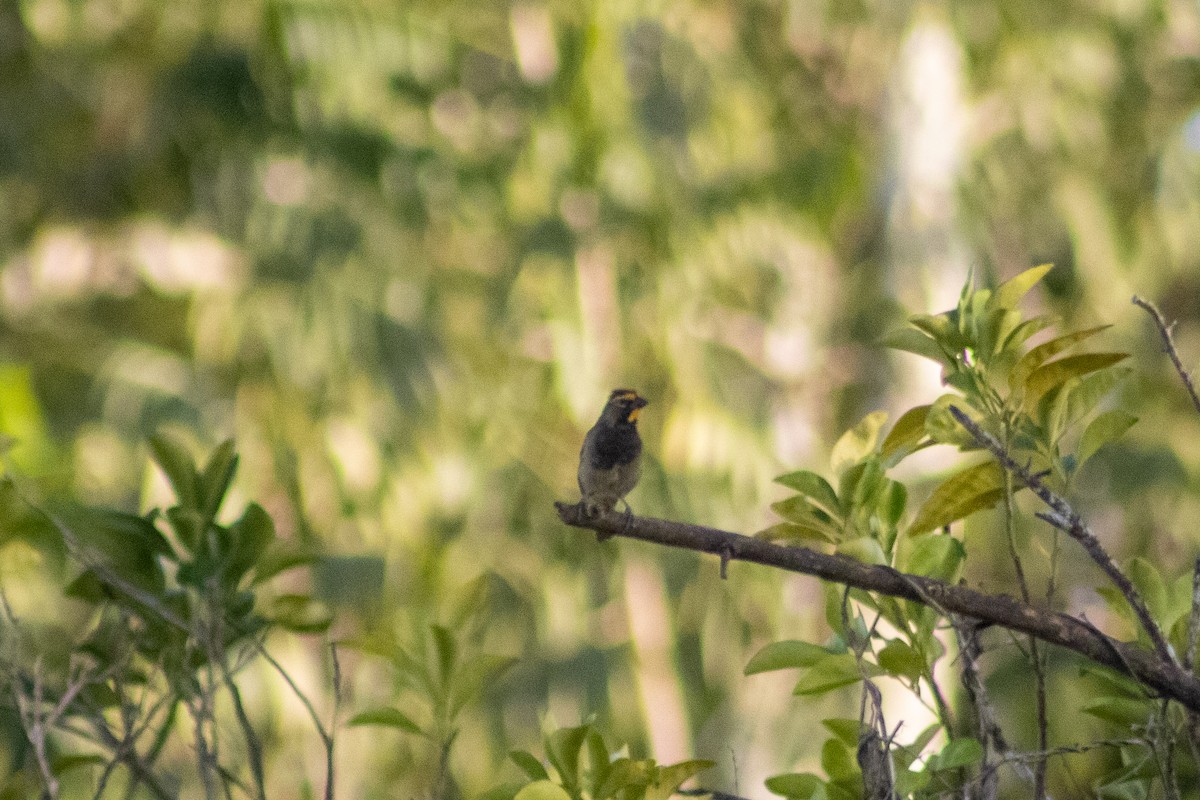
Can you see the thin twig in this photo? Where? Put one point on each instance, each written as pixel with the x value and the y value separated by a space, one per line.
pixel 326 739
pixel 1164 331
pixel 1064 517
pixel 1035 656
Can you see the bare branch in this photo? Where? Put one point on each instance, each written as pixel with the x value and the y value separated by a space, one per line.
pixel 1161 674
pixel 1063 517
pixel 1164 331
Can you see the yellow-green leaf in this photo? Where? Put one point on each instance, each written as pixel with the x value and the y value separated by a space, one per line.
pixel 864 549
pixel 387 717
pixel 943 428
pixel 962 494
pixel 669 778
pixel 1046 351
pixel 912 340
pixel 833 672
pixel 901 660
pixel 797 532
pixel 858 442
pixel 936 556
pixel 1103 429
pixel 1009 293
pixel 815 488
pixel 906 434
pixel 542 790
pixel 790 654
pixel 1056 373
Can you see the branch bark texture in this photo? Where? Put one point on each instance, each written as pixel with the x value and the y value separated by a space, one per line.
pixel 1163 675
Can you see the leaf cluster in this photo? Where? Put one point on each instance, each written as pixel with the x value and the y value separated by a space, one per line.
pixel 586 767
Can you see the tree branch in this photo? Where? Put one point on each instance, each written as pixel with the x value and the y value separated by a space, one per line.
pixel 1161 674
pixel 1064 517
pixel 1164 331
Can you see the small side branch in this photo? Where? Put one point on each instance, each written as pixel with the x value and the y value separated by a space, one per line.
pixel 1163 675
pixel 1063 517
pixel 1164 331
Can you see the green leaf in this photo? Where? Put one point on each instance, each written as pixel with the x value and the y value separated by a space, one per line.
pixel 214 481
pixel 906 434
pixel 799 509
pixel 1150 585
pixel 797 532
pixel 943 328
pixel 1039 355
pixel 973 489
pixel 388 718
pixel 445 651
pixel 936 555
pixel 1009 293
pixel 957 753
pixel 862 484
pixel 1090 390
pixel 1024 331
pixel 282 555
pixel 864 549
pixel 127 545
pixel 857 443
pixel 798 785
pixel 943 428
pixel 846 730
pixel 629 777
pixel 1105 428
pixel 529 765
pixel 176 463
pixel 998 323
pixel 1123 711
pixel 909 782
pixel 833 672
pixel 473 674
pixel 251 535
pixel 893 500
pixel 64 763
pixel 1053 375
pixel 563 747
pixel 21 521
pixel 838 760
pixel 542 790
pixel 502 791
pixel 785 655
pixel 813 487
pixel 598 758
pixel 912 340
pixel 299 613
pixel 923 739
pixel 898 658
pixel 670 778
pixel 1124 790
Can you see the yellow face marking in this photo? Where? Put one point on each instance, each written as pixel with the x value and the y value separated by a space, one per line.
pixel 633 415
pixel 628 396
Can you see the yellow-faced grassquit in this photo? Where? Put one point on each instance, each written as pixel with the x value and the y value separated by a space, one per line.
pixel 610 462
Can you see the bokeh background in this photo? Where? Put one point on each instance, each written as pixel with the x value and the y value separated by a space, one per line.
pixel 401 251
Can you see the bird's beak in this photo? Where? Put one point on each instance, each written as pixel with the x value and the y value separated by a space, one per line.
pixel 638 404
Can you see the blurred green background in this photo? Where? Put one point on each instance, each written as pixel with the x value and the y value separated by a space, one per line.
pixel 400 252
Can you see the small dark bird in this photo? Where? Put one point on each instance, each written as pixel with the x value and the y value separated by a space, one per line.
pixel 610 462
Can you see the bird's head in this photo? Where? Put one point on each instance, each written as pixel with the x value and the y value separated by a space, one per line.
pixel 623 407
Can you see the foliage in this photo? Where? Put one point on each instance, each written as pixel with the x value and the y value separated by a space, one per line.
pixel 398 251
pixel 174 606
pixel 1041 403
pixel 608 775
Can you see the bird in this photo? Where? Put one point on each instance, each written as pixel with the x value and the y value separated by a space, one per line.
pixel 610 461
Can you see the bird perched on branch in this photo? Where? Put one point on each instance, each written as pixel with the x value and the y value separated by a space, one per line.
pixel 610 462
